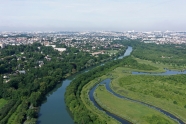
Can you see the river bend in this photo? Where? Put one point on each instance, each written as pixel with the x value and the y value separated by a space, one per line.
pixel 107 85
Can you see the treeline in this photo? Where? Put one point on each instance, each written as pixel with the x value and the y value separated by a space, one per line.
pixel 72 96
pixel 168 53
pixel 131 63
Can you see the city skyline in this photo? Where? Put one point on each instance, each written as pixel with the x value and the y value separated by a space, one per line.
pixel 86 15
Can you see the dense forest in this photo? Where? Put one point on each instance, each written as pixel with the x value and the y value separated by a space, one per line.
pixel 29 72
pixel 170 54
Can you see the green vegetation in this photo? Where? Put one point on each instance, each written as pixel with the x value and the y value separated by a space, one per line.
pixel 133 64
pixel 8 110
pixel 174 55
pixel 89 105
pixel 166 92
pixel 42 69
pixel 12 119
pixel 73 96
pixel 3 102
pixel 161 66
pixel 136 113
pixel 169 55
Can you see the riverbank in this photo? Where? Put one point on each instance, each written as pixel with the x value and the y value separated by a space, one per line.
pixel 57 98
pixel 86 89
pixel 116 74
pixel 90 106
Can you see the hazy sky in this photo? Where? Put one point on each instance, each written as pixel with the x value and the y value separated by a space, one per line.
pixel 92 15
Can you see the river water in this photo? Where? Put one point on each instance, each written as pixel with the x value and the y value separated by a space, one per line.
pixel 53 110
pixel 127 52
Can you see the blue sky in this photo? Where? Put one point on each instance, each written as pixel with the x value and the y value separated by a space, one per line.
pixel 92 15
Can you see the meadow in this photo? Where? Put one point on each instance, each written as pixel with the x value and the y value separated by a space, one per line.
pixel 136 113
pixel 166 92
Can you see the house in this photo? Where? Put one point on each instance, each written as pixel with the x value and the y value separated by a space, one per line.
pixel 5 77
pixel 22 72
pixel 47 58
pixel 96 53
pixel 60 49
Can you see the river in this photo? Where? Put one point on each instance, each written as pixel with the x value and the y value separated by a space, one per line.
pixel 54 110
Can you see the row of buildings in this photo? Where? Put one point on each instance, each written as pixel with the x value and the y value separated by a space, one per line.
pixel 87 40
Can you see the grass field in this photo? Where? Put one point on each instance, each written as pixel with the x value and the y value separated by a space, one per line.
pixel 162 92
pixel 169 97
pixel 2 102
pixel 134 112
